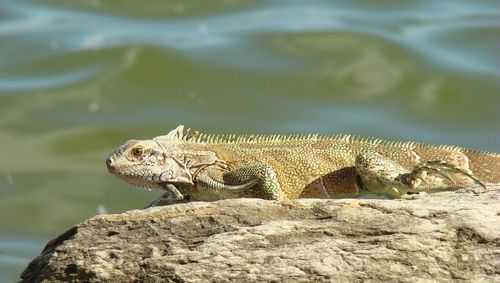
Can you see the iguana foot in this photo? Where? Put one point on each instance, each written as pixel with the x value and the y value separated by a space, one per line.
pixel 379 174
pixel 440 168
pixel 173 192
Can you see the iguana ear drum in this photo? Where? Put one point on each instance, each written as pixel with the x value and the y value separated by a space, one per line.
pixel 166 176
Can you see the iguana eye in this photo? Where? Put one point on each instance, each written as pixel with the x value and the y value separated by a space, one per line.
pixel 136 151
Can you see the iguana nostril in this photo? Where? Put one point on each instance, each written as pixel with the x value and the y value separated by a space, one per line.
pixel 110 163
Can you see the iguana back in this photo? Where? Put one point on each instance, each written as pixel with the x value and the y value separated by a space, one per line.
pixel 306 164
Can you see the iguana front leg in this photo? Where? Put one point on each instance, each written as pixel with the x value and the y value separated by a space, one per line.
pixel 173 193
pixel 260 175
pixel 379 174
pixel 172 196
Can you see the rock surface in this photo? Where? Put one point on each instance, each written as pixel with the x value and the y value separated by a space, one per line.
pixel 440 237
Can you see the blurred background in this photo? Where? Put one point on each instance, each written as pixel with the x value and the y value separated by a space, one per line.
pixel 78 78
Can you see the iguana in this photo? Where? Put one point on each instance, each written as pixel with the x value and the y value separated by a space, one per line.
pixel 193 166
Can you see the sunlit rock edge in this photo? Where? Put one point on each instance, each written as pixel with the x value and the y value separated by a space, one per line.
pixel 452 235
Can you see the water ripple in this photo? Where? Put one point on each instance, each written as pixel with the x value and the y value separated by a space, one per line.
pixel 26 83
pixel 204 37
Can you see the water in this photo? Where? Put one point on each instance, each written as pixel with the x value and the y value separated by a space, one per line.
pixel 78 78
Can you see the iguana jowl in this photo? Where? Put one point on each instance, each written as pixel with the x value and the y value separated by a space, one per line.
pixel 203 167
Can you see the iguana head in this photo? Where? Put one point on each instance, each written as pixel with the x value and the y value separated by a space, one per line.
pixel 147 164
pixel 162 160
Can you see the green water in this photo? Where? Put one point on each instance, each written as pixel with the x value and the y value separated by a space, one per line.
pixel 77 78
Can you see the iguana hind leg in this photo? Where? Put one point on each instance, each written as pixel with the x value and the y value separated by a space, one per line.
pixel 379 174
pixel 260 175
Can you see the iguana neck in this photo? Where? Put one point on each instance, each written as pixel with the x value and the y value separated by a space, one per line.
pixel 194 160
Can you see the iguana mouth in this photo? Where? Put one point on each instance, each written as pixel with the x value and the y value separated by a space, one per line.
pixel 142 183
pixel 147 185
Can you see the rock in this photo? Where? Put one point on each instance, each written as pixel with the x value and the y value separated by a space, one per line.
pixel 438 237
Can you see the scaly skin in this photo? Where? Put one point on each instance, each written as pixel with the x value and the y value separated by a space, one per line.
pixel 194 166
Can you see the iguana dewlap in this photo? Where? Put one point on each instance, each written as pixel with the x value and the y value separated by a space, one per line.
pixel 204 167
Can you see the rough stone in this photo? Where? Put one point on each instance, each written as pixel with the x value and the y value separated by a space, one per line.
pixel 440 237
